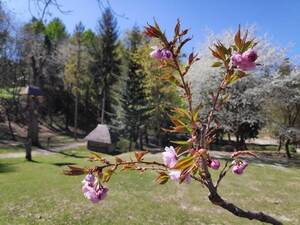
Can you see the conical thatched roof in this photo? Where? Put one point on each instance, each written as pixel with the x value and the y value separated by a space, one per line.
pixel 100 134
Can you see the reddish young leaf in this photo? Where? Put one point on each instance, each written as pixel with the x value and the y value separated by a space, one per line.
pixel 139 155
pixel 118 160
pixel 162 178
pixel 74 171
pixel 95 157
pixel 237 39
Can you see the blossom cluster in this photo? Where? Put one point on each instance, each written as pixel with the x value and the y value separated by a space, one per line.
pixel 92 189
pixel 160 53
pixel 170 159
pixel 245 61
pixel 239 166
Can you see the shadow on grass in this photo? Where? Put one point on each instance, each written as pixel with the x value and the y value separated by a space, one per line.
pixel 63 164
pixel 74 155
pixel 7 167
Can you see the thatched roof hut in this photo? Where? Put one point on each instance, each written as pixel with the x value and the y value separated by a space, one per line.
pixel 99 139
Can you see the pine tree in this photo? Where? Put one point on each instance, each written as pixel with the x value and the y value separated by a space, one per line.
pixel 135 105
pixel 106 69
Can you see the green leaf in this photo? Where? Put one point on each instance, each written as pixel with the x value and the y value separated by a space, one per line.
pixel 184 163
pixel 180 142
pixel 216 64
pixel 106 175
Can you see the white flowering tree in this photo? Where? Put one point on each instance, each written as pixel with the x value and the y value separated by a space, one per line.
pixel 282 105
pixel 242 113
pixel 191 159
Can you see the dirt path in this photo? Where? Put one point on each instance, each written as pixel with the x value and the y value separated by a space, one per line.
pixel 39 151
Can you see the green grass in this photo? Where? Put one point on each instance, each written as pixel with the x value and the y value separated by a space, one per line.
pixel 38 193
pixel 11 149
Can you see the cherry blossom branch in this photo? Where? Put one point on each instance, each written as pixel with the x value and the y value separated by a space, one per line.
pixel 222 174
pixel 216 199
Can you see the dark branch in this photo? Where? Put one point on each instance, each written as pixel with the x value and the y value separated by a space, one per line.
pixel 260 216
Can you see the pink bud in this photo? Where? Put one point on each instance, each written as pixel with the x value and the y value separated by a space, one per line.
pixel 239 167
pixel 214 164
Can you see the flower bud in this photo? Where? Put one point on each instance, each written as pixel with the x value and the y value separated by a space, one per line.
pixel 239 167
pixel 214 164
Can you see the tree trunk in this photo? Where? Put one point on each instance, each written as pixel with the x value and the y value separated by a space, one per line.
pixel 33 123
pixel 28 150
pixel 76 115
pixel 287 150
pixel 130 141
pixel 229 136
pixel 146 135
pixel 280 143
pixel 86 105
pixel 141 140
pixel 13 137
pixel 103 107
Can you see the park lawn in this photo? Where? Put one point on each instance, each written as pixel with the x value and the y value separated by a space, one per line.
pixel 39 193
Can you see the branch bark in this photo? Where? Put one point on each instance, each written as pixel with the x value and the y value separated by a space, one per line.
pixel 216 199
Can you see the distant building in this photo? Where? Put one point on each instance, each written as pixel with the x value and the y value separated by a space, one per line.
pixel 99 139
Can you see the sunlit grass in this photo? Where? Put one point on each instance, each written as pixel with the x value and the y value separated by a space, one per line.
pixel 39 193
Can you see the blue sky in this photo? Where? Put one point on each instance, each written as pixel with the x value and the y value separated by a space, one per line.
pixel 279 18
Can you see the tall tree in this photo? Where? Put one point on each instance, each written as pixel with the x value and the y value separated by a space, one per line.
pixel 162 96
pixel 243 104
pixel 76 69
pixel 107 71
pixel 56 30
pixel 135 103
pixel 282 106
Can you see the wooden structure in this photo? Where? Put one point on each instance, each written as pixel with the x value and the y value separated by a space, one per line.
pixel 99 139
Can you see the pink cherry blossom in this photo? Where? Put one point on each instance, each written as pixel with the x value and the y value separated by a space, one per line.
pixel 175 175
pixel 160 53
pixel 167 54
pixel 156 53
pixel 169 157
pixel 94 193
pixel 236 59
pixel 89 179
pixel 250 55
pixel 239 167
pixel 214 164
pixel 245 61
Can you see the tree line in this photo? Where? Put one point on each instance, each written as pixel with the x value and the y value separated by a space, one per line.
pixel 99 76
pixel 86 77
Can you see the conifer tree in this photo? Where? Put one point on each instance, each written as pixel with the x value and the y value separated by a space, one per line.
pixel 106 69
pixel 135 105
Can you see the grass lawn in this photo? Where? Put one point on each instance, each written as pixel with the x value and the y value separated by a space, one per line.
pixel 38 193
